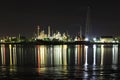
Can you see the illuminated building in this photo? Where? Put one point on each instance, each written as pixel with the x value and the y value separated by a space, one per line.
pixel 106 39
pixel 58 35
pixel 42 35
pixel 64 37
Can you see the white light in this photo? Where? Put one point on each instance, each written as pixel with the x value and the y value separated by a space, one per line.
pixel 113 41
pixel 86 39
pixel 86 55
pixel 94 39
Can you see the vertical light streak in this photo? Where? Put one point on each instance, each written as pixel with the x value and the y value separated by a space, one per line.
pixel 38 50
pixel 102 54
pixel 57 55
pixel 76 54
pixel 86 55
pixel 3 54
pixel 20 54
pixel 69 52
pixel 45 55
pixel 42 54
pixel 10 48
pixel 54 53
pixel 36 54
pixel 64 54
pixel 115 54
pixel 60 55
pixel 38 58
pixel 79 54
pixel 94 54
pixel 14 55
pixel 51 52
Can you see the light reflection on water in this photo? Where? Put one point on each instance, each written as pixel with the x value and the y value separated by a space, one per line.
pixel 59 62
pixel 102 55
pixel 94 54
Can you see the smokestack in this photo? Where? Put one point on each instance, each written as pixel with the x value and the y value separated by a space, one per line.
pixel 38 30
pixel 48 31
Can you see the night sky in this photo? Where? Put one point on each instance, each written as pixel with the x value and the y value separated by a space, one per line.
pixel 22 17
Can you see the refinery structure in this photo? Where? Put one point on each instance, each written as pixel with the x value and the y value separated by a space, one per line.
pixel 41 35
pixel 63 37
pixel 59 37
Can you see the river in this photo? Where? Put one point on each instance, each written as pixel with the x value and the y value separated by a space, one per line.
pixel 39 62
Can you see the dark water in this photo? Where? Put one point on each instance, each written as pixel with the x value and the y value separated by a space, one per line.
pixel 68 62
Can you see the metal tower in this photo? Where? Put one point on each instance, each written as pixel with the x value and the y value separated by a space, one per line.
pixel 48 31
pixel 38 30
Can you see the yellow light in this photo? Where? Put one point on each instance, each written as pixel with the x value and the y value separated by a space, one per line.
pixel 102 54
pixel 10 48
pixel 42 55
pixel 3 54
pixel 64 54
pixel 14 55
pixel 57 55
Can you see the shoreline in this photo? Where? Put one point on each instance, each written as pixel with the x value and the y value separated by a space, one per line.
pixel 60 43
